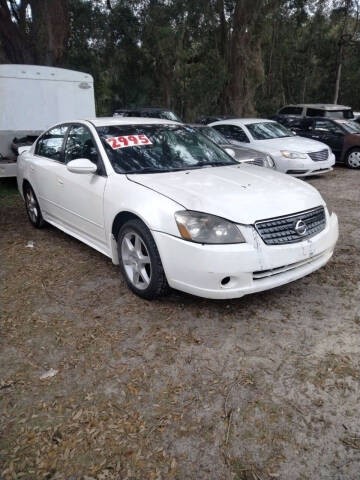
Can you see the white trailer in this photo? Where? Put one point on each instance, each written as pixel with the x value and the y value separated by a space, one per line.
pixel 32 98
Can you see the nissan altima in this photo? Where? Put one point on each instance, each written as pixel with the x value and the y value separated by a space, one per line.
pixel 173 209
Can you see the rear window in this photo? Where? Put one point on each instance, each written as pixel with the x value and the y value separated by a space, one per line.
pixel 348 114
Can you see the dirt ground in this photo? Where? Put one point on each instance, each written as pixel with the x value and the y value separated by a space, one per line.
pixel 263 387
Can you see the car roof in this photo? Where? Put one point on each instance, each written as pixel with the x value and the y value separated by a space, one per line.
pixel 148 109
pixel 320 106
pixel 243 121
pixel 114 121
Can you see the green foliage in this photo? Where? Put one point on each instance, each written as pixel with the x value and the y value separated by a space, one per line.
pixel 177 53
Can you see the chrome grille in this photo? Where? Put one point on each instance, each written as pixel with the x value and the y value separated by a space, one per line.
pixel 281 230
pixel 256 161
pixel 320 156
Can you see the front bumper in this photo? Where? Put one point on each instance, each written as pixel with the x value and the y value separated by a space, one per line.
pixel 248 268
pixel 304 167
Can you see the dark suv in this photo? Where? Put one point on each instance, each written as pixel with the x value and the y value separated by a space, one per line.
pixel 342 136
pixel 152 112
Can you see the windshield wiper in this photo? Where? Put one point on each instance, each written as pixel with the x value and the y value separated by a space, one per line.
pixel 221 164
pixel 179 169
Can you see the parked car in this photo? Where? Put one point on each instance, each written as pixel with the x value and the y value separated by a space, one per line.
pixel 173 209
pixel 342 136
pixel 294 155
pixel 315 110
pixel 32 98
pixel 147 112
pixel 240 154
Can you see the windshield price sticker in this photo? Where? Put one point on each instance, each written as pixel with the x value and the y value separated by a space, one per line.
pixel 128 141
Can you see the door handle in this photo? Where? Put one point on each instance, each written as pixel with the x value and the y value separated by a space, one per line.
pixel 60 181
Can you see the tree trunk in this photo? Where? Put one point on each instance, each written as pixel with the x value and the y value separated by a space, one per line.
pixel 245 63
pixel 338 75
pixel 13 40
pixel 42 38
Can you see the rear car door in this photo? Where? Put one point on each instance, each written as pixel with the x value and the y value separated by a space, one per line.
pixel 46 164
pixel 82 195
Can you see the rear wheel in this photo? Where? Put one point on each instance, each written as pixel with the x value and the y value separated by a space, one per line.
pixel 140 261
pixel 33 208
pixel 352 159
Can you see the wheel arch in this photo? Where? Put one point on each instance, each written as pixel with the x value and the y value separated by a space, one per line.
pixel 25 184
pixel 119 220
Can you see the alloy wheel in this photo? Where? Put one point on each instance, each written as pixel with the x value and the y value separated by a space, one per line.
pixel 32 206
pixel 136 260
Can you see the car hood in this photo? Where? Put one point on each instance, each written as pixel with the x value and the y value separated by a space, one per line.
pixel 295 144
pixel 241 193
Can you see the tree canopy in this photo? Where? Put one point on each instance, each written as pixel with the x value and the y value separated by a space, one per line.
pixel 243 57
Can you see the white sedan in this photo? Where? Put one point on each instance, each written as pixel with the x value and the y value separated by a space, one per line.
pixel 297 156
pixel 173 209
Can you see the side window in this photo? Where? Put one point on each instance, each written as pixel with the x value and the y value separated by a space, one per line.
pixel 326 126
pixel 80 144
pixel 314 112
pixel 232 132
pixel 292 123
pixel 50 145
pixel 291 111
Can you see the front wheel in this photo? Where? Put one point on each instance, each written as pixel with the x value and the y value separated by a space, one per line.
pixel 352 159
pixel 33 208
pixel 140 261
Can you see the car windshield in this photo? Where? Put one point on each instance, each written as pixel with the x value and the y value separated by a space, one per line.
pixel 213 134
pixel 268 130
pixel 349 125
pixel 159 148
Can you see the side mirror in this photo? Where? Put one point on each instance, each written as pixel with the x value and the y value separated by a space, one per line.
pixel 293 131
pixel 230 152
pixel 23 149
pixel 81 165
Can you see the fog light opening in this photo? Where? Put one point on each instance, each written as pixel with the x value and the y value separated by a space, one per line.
pixel 225 281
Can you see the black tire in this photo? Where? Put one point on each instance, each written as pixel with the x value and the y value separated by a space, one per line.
pixel 353 163
pixel 157 285
pixel 33 208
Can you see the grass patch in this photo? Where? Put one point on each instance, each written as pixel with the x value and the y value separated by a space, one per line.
pixel 8 191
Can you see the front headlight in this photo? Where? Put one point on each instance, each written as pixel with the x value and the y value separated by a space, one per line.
pixel 269 163
pixel 203 228
pixel 287 154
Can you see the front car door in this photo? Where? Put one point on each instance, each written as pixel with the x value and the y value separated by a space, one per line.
pixel 47 162
pixel 82 195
